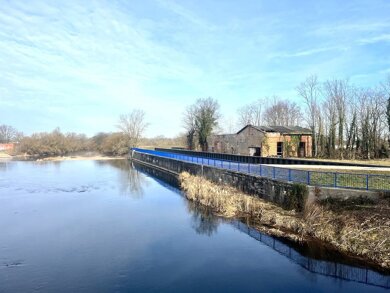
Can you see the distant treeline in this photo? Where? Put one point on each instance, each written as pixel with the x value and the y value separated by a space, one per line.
pixel 57 143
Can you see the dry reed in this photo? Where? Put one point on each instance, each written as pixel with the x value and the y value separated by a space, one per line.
pixel 348 231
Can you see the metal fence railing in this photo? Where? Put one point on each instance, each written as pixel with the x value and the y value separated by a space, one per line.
pixel 314 178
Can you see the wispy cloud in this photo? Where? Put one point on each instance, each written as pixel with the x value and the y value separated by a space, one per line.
pixel 375 39
pixel 79 65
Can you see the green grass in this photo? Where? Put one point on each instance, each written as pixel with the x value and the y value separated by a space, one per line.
pixel 351 180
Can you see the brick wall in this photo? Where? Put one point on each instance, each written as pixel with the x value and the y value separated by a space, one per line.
pixel 7 146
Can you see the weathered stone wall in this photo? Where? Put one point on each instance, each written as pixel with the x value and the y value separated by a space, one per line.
pixel 172 165
pixel 279 192
pixel 268 189
pixel 340 194
pixel 236 144
pixel 250 137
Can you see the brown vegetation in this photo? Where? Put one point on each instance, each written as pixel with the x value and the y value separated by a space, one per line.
pixel 53 143
pixel 361 231
pixel 56 143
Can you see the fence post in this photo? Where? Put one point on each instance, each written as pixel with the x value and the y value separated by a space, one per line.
pixel 274 172
pixel 249 168
pixel 238 166
pixel 261 171
pixel 367 185
pixel 289 175
pixel 308 177
pixel 335 179
pixel 229 165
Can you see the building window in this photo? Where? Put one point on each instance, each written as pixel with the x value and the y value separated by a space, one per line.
pixel 255 151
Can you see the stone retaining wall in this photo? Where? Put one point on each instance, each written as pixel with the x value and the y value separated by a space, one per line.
pixel 279 192
pixel 268 189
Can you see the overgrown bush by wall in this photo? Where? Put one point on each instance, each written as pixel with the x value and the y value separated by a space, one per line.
pixel 295 198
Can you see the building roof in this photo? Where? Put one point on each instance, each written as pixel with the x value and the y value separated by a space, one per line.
pixel 224 135
pixel 280 129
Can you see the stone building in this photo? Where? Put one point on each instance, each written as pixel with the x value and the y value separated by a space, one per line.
pixel 265 141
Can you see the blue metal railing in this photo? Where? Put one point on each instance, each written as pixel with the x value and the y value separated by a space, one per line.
pixel 314 178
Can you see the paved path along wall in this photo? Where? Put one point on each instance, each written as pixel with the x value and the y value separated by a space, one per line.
pixel 270 190
pixel 279 192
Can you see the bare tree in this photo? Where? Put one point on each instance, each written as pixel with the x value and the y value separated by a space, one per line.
pixel 388 117
pixel 9 134
pixel 352 127
pixel 244 115
pixel 133 125
pixel 310 91
pixel 251 113
pixel 282 112
pixel 386 89
pixel 337 93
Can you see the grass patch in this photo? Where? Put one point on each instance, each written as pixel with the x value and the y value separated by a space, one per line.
pixel 361 181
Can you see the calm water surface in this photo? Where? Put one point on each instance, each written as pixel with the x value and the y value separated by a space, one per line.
pixel 104 226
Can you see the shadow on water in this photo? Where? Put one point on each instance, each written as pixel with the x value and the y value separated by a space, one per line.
pixel 314 258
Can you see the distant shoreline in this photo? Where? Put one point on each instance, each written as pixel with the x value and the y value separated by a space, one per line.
pixel 7 157
pixel 78 158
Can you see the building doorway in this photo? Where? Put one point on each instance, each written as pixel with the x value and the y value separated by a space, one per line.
pixel 279 149
pixel 302 149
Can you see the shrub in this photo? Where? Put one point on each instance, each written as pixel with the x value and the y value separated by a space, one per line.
pixel 296 198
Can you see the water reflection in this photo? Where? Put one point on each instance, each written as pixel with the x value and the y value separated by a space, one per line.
pixel 316 259
pixel 132 182
pixel 5 165
pixel 204 222
pixel 327 268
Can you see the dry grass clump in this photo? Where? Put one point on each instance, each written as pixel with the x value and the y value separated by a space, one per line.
pixel 357 232
pixel 229 202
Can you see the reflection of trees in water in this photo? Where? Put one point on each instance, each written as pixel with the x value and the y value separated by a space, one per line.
pixel 131 181
pixel 5 166
pixel 203 220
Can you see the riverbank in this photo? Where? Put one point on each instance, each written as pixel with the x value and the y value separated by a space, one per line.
pixel 5 156
pixel 61 158
pixel 362 231
pixel 78 158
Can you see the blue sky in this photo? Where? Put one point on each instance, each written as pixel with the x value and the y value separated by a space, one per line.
pixel 80 64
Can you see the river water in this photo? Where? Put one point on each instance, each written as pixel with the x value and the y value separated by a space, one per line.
pixel 107 226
